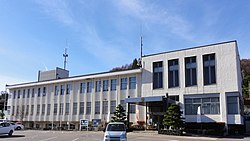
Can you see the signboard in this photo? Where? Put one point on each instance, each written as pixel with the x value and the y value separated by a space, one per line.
pixel 199 114
pixel 84 123
pixel 96 122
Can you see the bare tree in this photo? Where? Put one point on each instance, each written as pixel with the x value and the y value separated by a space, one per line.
pixel 20 114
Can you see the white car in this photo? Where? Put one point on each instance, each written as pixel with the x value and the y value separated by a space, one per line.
pixel 6 128
pixel 115 131
pixel 17 126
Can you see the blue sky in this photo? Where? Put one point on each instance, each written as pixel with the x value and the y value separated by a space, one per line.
pixel 102 34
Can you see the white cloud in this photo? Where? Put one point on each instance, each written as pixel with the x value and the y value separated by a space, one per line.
pixel 59 10
pixel 151 13
pixel 89 36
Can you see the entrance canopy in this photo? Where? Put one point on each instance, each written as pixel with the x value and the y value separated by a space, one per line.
pixel 144 100
pixel 149 100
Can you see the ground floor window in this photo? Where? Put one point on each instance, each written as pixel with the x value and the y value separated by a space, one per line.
pixel 232 105
pixel 209 105
pixel 132 109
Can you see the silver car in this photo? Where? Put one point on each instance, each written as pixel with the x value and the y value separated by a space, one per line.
pixel 6 128
pixel 115 131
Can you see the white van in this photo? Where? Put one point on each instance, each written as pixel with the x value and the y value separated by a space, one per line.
pixel 115 131
pixel 3 120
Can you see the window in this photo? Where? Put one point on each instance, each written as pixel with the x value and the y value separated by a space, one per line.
pixel 28 93
pixel 61 109
pixel 88 110
pixel 68 88
pixel 132 109
pixel 98 85
pixel 157 75
pixel 173 73
pixel 112 106
pixel 209 69
pixel 105 85
pixel 33 92
pixel 43 109
pixel 48 109
pixel 32 110
pixel 18 94
pixel 123 104
pixel 74 108
pixel 44 91
pixel 82 87
pixel 81 108
pixel 55 109
pixel 97 107
pixel 209 105
pixel 27 110
pixel 89 87
pixel 132 82
pixel 190 71
pixel 62 90
pixel 105 107
pixel 38 109
pixel 124 83
pixel 67 109
pixel 22 110
pixel 14 94
pixel 39 92
pixel 13 110
pixel 56 90
pixel 232 105
pixel 23 93
pixel 113 84
pixel 17 110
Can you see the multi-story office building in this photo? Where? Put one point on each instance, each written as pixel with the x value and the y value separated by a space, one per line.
pixel 208 77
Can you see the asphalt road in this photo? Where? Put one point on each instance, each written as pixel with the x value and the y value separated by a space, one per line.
pixel 37 135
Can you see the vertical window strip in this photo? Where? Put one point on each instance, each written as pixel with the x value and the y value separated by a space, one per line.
pixel 157 75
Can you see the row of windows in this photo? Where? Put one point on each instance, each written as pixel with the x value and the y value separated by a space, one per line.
pixel 209 72
pixel 41 108
pixel 60 89
pixel 210 105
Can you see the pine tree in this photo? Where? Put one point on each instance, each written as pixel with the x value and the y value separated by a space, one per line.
pixel 172 117
pixel 135 64
pixel 119 114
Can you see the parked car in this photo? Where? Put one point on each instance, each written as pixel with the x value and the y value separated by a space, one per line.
pixel 6 128
pixel 17 126
pixel 115 131
pixel 3 120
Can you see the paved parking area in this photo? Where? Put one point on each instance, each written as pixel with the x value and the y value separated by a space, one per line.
pixel 37 135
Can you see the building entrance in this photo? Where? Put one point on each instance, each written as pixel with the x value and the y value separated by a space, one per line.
pixel 156 107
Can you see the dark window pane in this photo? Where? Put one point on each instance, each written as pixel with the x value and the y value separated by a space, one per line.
pixel 157 75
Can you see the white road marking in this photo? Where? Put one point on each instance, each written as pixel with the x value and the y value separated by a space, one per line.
pixel 75 139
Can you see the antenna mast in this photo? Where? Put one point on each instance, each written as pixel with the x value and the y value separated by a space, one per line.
pixel 140 59
pixel 65 55
pixel 141 47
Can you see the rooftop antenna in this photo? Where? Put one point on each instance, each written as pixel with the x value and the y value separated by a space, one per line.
pixel 140 59
pixel 65 55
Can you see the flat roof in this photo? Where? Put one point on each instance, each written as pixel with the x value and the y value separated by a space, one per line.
pixel 76 78
pixel 191 48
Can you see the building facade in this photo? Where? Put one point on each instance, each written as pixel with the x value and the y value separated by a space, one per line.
pixel 207 78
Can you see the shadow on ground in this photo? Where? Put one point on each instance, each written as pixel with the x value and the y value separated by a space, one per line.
pixel 13 136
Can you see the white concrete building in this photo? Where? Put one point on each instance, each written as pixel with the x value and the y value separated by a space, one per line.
pixel 208 77
pixel 61 101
